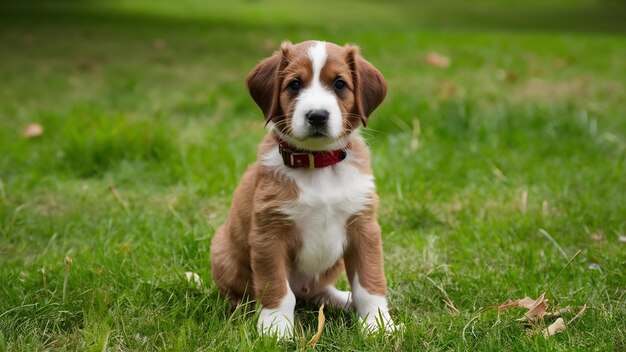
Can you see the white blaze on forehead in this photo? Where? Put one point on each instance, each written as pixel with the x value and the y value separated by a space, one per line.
pixel 318 56
pixel 316 97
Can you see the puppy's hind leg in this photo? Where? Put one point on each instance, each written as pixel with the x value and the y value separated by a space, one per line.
pixel 330 296
pixel 231 275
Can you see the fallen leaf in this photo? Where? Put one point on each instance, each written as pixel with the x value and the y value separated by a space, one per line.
pixel 447 90
pixel 437 60
pixel 558 313
pixel 536 307
pixel 508 304
pixel 525 302
pixel 554 328
pixel 160 44
pixel 32 130
pixel 622 238
pixel 597 236
pixel 321 319
pixel 29 39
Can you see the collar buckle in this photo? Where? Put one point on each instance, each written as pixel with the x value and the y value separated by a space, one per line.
pixel 295 161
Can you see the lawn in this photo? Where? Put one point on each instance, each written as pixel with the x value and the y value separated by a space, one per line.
pixel 493 172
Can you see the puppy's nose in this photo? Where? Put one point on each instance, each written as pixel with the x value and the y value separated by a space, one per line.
pixel 318 117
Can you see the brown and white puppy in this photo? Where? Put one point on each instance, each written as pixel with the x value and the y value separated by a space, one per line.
pixel 307 206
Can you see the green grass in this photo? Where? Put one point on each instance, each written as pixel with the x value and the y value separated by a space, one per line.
pixel 150 98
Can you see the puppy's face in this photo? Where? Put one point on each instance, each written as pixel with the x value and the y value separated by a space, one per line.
pixel 315 93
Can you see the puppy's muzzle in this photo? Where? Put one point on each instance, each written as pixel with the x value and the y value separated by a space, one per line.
pixel 317 118
pixel 318 122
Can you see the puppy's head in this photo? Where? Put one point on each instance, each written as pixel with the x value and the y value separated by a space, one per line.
pixel 315 93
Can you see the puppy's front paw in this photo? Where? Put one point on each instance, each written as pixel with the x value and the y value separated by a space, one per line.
pixel 373 323
pixel 276 323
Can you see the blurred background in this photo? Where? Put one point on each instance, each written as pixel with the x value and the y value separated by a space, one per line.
pixel 179 66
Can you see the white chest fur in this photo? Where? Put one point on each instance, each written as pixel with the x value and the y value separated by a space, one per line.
pixel 327 198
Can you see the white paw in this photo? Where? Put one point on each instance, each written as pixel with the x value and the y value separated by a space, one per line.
pixel 378 321
pixel 373 310
pixel 276 323
pixel 335 298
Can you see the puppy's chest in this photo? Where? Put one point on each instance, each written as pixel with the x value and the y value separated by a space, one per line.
pixel 327 199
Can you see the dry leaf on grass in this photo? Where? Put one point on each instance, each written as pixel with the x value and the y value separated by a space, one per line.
pixel 536 307
pixel 437 60
pixel 160 44
pixel 558 313
pixel 537 310
pixel 32 130
pixel 321 319
pixel 556 327
pixel 29 39
pixel 559 324
pixel 525 302
pixel 447 90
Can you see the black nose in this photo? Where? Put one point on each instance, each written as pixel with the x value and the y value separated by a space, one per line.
pixel 317 118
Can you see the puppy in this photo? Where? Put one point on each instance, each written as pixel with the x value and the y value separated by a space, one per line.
pixel 307 207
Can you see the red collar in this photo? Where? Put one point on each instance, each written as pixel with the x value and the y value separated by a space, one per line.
pixel 296 158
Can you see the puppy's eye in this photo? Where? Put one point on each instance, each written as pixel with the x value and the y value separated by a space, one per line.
pixel 295 85
pixel 340 84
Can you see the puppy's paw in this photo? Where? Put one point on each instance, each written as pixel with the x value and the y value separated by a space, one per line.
pixel 275 323
pixel 334 298
pixel 374 323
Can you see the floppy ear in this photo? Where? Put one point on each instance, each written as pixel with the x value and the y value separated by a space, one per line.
pixel 370 87
pixel 264 82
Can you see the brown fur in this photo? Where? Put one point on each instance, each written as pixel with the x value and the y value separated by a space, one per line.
pixel 364 254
